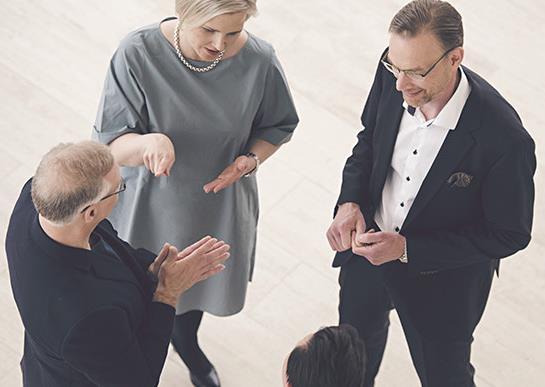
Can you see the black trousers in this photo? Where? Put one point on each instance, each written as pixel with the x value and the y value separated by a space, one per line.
pixel 438 312
pixel 185 342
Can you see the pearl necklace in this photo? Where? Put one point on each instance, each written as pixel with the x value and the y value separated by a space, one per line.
pixel 185 62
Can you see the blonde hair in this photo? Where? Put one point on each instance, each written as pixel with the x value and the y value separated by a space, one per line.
pixel 194 13
pixel 68 177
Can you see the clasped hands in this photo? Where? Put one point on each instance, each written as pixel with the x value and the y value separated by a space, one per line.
pixel 348 231
pixel 178 271
pixel 158 156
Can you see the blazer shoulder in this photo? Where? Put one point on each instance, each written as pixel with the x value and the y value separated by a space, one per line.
pixel 500 122
pixel 24 201
pixel 21 216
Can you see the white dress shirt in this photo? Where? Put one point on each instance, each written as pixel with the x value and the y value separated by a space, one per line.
pixel 417 145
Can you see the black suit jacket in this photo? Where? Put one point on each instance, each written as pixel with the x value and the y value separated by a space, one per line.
pixel 450 226
pixel 89 319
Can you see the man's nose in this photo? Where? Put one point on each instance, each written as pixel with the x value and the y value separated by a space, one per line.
pixel 402 81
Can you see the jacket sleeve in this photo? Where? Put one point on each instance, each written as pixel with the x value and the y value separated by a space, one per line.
pixel 507 200
pixel 110 352
pixel 357 170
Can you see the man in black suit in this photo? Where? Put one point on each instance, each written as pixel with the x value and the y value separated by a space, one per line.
pixel 438 188
pixel 96 311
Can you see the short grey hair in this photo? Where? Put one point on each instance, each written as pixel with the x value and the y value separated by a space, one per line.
pixel 69 177
pixel 194 13
pixel 436 16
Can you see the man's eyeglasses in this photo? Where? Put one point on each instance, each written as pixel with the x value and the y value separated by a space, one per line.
pixel 122 187
pixel 414 75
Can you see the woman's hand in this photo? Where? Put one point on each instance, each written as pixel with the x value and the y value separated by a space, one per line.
pixel 158 154
pixel 241 166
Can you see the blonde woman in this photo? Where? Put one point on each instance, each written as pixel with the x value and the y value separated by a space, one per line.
pixel 191 106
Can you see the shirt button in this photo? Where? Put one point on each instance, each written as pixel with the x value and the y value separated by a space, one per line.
pixel 408 178
pixel 397 229
pixel 415 152
pixel 402 204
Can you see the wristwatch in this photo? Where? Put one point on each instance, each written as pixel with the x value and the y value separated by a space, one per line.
pixel 257 162
pixel 403 258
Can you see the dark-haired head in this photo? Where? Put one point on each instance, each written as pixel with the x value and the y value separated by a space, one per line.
pixel 331 357
pixel 435 16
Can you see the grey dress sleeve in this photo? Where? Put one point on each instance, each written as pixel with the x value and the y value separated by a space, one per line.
pixel 122 108
pixel 276 117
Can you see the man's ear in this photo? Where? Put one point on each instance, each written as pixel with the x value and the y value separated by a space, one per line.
pixel 90 214
pixel 456 56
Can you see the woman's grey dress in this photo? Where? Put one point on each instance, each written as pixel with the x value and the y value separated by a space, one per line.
pixel 211 119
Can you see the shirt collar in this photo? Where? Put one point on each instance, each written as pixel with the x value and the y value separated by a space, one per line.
pixel 450 114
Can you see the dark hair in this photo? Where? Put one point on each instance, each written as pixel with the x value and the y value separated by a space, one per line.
pixel 333 357
pixel 436 16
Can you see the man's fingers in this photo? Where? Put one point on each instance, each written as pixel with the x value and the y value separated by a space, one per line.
pixel 331 240
pixel 360 225
pixel 220 259
pixel 163 253
pixel 365 251
pixel 217 253
pixel 218 244
pixel 189 249
pixel 205 247
pixel 211 272
pixel 355 243
pixel 172 254
pixel 336 236
pixel 370 237
pixel 345 239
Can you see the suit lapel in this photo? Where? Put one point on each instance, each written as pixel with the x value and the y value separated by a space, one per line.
pixel 456 145
pixel 388 124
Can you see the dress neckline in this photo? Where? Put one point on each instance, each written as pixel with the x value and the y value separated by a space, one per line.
pixel 196 61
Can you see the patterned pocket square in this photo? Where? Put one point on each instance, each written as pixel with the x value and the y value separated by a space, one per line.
pixel 459 179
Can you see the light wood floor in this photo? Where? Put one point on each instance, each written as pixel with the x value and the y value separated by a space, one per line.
pixel 53 57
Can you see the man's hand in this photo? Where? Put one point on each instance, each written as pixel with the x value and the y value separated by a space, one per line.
pixel 181 270
pixel 378 247
pixel 348 219
pixel 158 261
pixel 238 168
